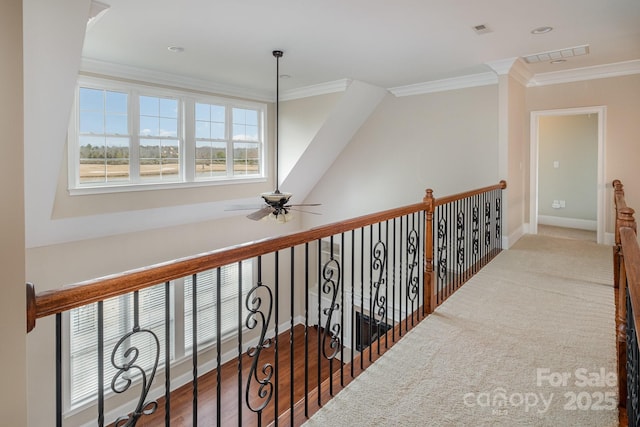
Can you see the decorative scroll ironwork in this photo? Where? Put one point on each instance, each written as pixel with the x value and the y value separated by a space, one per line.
pixel 121 382
pixel 256 318
pixel 633 373
pixel 487 224
pixel 413 281
pixel 475 232
pixel 498 210
pixel 331 286
pixel 442 249
pixel 460 238
pixel 379 263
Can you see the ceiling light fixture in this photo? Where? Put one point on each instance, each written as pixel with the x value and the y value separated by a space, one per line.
pixel 176 49
pixel 541 30
pixel 276 205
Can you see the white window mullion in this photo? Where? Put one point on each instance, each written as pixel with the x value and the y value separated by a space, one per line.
pixel 134 125
pixel 228 134
pixel 188 154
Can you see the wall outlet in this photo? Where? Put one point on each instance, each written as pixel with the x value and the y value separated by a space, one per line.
pixel 555 204
pixel 563 204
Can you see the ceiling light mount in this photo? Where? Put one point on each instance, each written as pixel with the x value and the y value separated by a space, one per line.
pixel 542 30
pixel 175 49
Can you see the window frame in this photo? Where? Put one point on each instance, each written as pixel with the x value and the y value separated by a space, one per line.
pixel 186 135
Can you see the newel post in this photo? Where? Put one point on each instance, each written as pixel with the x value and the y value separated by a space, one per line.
pixel 429 287
pixel 618 193
pixel 624 218
pixel 31 307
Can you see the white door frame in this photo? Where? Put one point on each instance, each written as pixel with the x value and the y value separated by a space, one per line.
pixel 601 184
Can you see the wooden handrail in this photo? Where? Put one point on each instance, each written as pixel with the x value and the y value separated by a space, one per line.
pixel 448 199
pixel 625 258
pixel 631 250
pixel 55 301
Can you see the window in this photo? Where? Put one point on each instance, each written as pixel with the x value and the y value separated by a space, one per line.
pixel 206 302
pixel 118 320
pixel 127 135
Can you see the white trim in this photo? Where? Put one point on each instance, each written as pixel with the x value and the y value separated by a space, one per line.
pixel 558 221
pixel 502 66
pixel 511 239
pixel 586 73
pixel 601 184
pixel 315 90
pixel 609 239
pixel 473 80
pixel 109 69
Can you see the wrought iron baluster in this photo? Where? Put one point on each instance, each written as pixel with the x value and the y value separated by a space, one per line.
pixel 259 317
pixel 498 224
pixel 487 224
pixel 219 345
pixel 240 288
pixel 633 372
pixel 442 253
pixel 122 379
pixel 167 354
pixel 331 287
pixel 59 370
pixel 378 263
pixel 413 240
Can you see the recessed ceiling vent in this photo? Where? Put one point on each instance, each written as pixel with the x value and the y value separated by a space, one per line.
pixel 554 55
pixel 481 29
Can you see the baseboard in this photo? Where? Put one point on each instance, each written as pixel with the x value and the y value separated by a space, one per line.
pixel 512 238
pixel 556 221
pixel 609 239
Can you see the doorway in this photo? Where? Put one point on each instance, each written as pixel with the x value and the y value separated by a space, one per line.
pixel 536 118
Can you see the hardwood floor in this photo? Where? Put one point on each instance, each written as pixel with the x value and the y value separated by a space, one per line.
pixel 232 387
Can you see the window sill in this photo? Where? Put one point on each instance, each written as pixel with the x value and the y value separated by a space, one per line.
pixel 126 188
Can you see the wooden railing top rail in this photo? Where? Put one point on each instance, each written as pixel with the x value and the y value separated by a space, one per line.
pixel 631 251
pixel 448 199
pixel 55 301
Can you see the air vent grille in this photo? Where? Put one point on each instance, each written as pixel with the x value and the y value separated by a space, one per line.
pixel 557 54
pixel 481 29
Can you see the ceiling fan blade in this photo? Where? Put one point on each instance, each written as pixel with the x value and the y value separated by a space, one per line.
pixel 243 207
pixel 300 210
pixel 259 214
pixel 304 204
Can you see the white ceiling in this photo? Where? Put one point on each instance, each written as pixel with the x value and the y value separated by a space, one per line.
pixel 381 42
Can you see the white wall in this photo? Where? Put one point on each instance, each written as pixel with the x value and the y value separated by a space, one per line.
pixel 13 393
pixel 446 141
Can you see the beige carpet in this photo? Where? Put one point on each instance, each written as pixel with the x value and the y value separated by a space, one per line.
pixel 529 341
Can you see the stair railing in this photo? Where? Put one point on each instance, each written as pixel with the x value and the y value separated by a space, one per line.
pixel 308 312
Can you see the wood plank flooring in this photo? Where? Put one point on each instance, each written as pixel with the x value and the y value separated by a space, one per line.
pixel 232 386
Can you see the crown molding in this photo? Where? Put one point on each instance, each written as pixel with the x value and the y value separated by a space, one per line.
pixel 521 72
pixel 587 73
pixel 473 80
pixel 502 66
pixel 315 90
pixel 157 77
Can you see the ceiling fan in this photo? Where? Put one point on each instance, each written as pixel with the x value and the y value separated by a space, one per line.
pixel 276 204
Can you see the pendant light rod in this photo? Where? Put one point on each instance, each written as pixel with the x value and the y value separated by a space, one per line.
pixel 278 55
